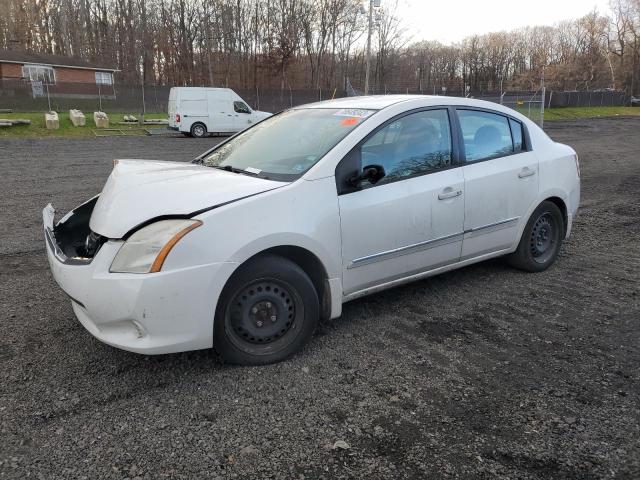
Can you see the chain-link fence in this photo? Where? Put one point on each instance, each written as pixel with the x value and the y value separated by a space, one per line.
pixel 529 103
pixel 23 95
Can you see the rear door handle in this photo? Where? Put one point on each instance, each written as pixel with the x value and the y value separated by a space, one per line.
pixel 526 172
pixel 449 193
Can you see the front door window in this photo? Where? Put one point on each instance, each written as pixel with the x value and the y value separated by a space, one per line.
pixel 415 144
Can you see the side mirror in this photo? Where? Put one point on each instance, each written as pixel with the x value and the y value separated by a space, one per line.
pixel 371 173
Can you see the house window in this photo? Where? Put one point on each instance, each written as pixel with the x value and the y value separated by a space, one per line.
pixel 104 78
pixel 39 73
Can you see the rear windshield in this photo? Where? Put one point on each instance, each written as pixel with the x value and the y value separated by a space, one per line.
pixel 286 145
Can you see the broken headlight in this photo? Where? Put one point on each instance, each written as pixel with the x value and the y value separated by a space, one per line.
pixel 146 250
pixel 92 243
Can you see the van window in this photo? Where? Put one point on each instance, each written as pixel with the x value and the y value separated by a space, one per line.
pixel 241 107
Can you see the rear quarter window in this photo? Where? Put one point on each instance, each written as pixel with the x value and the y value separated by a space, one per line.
pixel 516 132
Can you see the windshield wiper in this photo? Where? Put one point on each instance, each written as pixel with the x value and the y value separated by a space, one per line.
pixel 230 168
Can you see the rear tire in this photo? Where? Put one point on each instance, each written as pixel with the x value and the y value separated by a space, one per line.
pixel 267 311
pixel 541 239
pixel 198 130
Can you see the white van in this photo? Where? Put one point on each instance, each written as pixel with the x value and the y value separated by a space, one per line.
pixel 199 111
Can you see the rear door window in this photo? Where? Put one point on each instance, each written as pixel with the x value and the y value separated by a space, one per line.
pixel 486 135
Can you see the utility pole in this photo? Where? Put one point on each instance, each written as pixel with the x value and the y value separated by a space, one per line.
pixel 543 93
pixel 366 75
pixel 208 33
pixel 144 107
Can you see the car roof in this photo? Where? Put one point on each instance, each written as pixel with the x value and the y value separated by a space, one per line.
pixel 379 102
pixel 370 102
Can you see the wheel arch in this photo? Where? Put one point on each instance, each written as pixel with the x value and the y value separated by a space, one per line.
pixel 307 261
pixel 554 196
pixel 562 206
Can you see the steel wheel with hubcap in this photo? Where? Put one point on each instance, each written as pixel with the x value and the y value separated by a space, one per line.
pixel 541 239
pixel 268 310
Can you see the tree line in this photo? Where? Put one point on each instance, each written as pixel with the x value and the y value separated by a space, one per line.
pixel 300 44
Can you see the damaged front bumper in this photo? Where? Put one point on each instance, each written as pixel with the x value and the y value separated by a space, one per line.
pixel 71 240
pixel 154 313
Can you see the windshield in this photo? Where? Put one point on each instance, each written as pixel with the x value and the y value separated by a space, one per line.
pixel 286 145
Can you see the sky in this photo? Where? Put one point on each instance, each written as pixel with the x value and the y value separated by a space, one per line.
pixel 452 20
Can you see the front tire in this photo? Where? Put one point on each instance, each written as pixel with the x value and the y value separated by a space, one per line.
pixel 267 311
pixel 541 239
pixel 198 130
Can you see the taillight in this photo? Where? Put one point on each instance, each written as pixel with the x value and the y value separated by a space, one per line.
pixel 577 164
pixel 177 118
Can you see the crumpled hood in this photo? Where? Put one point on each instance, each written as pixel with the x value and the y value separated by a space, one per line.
pixel 139 190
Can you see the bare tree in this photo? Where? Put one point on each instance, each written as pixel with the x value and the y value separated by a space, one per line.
pixel 293 44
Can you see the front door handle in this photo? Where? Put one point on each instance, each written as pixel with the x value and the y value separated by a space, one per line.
pixel 526 172
pixel 449 193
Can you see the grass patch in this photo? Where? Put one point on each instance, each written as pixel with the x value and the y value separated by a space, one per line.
pixel 575 113
pixel 38 128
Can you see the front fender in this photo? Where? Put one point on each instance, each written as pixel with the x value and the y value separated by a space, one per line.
pixel 303 214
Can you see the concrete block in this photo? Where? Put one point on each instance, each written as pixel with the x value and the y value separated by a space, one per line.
pixel 16 121
pixel 101 119
pixel 77 118
pixel 51 120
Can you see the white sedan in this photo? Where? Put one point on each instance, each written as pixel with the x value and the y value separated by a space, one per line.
pixel 246 248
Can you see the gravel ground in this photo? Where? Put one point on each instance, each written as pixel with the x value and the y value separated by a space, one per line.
pixel 485 372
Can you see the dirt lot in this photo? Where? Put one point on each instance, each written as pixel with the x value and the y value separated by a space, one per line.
pixel 485 372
